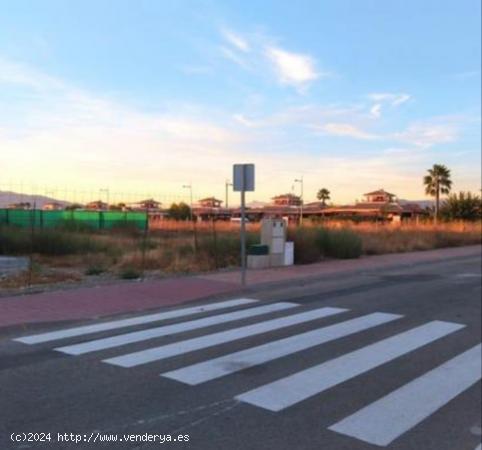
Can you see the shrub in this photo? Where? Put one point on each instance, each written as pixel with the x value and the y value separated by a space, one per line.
pixel 307 243
pixel 313 243
pixel 464 206
pixel 94 270
pixel 129 273
pixel 73 225
pixel 343 244
pixel 53 242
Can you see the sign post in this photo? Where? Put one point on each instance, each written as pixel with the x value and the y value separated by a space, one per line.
pixel 243 180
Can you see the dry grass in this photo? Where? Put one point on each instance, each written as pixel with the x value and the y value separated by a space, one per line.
pixel 398 238
pixel 170 248
pixel 37 277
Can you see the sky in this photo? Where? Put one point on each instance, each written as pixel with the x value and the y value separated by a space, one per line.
pixel 148 96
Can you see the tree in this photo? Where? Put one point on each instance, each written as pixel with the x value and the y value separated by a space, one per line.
pixel 179 211
pixel 437 182
pixel 118 207
pixel 323 195
pixel 73 207
pixel 464 206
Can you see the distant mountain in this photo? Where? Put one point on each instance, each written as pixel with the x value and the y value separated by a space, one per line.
pixel 8 197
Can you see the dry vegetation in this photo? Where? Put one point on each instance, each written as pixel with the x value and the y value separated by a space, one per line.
pixel 170 247
pixel 391 238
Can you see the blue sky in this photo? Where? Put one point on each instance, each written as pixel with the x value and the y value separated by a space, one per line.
pixel 148 95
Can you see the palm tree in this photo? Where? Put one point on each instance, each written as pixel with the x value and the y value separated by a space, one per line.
pixel 323 195
pixel 437 182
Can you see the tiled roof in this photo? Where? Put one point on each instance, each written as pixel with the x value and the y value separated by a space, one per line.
pixel 379 192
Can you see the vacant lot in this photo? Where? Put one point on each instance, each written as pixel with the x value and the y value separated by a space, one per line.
pixel 58 255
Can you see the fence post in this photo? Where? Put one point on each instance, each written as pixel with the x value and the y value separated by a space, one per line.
pixel 144 243
pixel 32 237
pixel 215 242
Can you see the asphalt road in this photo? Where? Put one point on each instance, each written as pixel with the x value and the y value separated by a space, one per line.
pixel 379 359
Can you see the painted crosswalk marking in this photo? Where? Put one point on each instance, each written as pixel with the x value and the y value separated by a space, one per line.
pixel 210 340
pixel 143 335
pixel 139 320
pixel 227 364
pixel 383 421
pixel 288 391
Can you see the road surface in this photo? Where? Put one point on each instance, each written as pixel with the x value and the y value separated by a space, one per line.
pixel 378 359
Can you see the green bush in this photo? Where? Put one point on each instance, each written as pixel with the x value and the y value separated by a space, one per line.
pixel 53 242
pixel 343 244
pixel 307 244
pixel 94 270
pixel 129 273
pixel 314 243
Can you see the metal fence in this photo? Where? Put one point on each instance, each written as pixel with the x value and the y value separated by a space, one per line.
pixel 98 220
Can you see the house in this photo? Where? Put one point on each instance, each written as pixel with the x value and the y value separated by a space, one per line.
pixel 210 202
pixel 379 196
pixel 21 205
pixel 53 206
pixel 287 200
pixel 149 205
pixel 97 205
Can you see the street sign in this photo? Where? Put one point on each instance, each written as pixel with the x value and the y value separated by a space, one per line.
pixel 243 180
pixel 243 177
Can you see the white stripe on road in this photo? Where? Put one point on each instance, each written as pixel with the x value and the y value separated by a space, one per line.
pixel 293 389
pixel 383 421
pixel 151 333
pixel 224 365
pixel 104 326
pixel 210 340
pixel 479 447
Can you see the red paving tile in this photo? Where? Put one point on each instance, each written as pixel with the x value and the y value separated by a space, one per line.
pixel 106 300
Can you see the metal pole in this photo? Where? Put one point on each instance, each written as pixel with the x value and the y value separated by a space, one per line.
pixel 227 184
pixel 190 201
pixel 301 200
pixel 243 239
pixel 301 208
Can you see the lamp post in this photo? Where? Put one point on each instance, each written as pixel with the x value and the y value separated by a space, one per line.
pixel 300 180
pixel 106 190
pixel 227 184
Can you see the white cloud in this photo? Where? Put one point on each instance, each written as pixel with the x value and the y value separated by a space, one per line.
pixel 401 98
pixel 375 110
pixel 74 138
pixel 241 118
pixel 293 69
pixel 425 135
pixel 234 57
pixel 391 99
pixel 236 40
pixel 386 98
pixel 347 130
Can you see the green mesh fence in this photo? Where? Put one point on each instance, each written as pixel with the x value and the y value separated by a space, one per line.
pixel 98 220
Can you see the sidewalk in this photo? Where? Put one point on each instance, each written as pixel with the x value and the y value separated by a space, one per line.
pixel 125 297
pixel 280 274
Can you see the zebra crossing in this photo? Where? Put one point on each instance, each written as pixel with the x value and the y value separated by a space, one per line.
pixel 378 423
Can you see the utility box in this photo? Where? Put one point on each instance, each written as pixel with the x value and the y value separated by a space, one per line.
pixel 273 234
pixel 289 258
